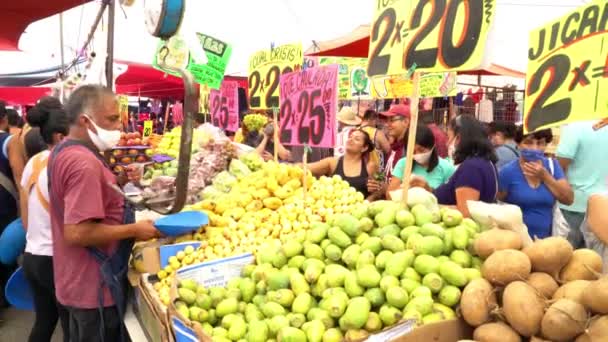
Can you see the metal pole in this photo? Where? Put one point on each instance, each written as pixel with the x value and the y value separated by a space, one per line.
pixel 61 50
pixel 110 47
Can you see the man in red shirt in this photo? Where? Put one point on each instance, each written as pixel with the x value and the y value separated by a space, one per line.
pixel 87 216
pixel 397 122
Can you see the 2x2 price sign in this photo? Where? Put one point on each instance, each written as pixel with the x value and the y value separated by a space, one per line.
pixel 224 106
pixel 308 107
pixel 265 70
pixel 435 35
pixel 567 76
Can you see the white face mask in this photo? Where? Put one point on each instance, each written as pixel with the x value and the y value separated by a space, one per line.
pixel 423 158
pixel 104 139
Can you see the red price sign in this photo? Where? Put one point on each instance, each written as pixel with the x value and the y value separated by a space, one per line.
pixel 224 106
pixel 308 107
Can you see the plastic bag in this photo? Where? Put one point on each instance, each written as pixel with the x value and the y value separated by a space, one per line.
pixel 560 226
pixel 239 169
pixel 224 181
pixel 503 216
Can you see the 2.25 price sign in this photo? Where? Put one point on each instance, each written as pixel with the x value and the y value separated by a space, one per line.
pixel 308 107
pixel 224 106
pixel 436 35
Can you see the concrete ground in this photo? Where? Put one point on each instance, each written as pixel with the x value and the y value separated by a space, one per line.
pixel 15 326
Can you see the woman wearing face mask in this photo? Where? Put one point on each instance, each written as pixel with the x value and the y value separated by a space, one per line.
pixel 475 178
pixel 53 124
pixel 427 163
pixel 354 166
pixel 534 182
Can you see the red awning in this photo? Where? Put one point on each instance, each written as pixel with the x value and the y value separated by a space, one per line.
pixel 356 44
pixel 23 95
pixel 139 80
pixel 15 16
pixel 143 80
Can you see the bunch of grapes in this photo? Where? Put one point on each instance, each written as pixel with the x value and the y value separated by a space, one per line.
pixel 254 122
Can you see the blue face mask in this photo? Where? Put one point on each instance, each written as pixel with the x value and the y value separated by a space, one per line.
pixel 532 155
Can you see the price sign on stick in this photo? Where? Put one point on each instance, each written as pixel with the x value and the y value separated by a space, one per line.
pixel 265 70
pixel 439 35
pixel 147 128
pixel 275 122
pixel 567 76
pixel 224 105
pixel 411 140
pixel 308 107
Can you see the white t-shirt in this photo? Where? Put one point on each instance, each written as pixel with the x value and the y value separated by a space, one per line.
pixel 39 238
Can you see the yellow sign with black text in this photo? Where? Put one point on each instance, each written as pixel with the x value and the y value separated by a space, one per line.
pixel 123 109
pixel 567 78
pixel 433 84
pixel 265 70
pixel 432 36
pixel 147 128
pixel 203 99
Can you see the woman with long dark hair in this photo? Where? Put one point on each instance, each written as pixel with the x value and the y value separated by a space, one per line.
pixel 427 164
pixel 354 166
pixel 476 176
pixel 53 125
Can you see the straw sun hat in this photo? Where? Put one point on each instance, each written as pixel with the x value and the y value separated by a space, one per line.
pixel 348 116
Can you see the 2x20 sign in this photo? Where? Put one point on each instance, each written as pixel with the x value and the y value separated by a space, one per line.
pixel 265 70
pixel 567 73
pixel 308 107
pixel 434 35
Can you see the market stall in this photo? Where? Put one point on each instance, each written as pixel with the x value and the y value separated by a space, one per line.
pixel 261 250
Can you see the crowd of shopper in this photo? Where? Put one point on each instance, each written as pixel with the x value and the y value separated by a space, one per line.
pixel 80 231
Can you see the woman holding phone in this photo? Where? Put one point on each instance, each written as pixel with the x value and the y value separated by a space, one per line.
pixel 534 183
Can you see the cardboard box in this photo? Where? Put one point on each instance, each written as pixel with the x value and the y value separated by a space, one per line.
pixel 145 257
pixel 151 257
pixel 209 274
pixel 219 272
pixel 151 313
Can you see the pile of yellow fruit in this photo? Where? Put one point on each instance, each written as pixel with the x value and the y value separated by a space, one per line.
pixel 265 208
pixel 170 142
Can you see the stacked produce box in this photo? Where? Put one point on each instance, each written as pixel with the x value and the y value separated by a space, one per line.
pixel 130 149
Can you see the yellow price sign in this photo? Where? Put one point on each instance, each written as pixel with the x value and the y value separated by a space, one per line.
pixel 123 109
pixel 203 99
pixel 434 35
pixel 400 86
pixel 265 70
pixel 567 73
pixel 147 128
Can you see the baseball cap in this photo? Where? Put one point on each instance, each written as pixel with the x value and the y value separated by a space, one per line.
pixel 398 110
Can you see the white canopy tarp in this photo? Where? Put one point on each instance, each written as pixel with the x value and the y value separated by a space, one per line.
pixel 252 25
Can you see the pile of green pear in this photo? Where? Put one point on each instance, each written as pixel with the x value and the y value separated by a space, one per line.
pixel 348 278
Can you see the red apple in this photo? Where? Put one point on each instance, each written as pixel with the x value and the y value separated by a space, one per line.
pixel 137 141
pixel 118 153
pixel 133 152
pixel 141 159
pixel 130 142
pixel 137 135
pixel 122 142
pixel 123 135
pixel 126 160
